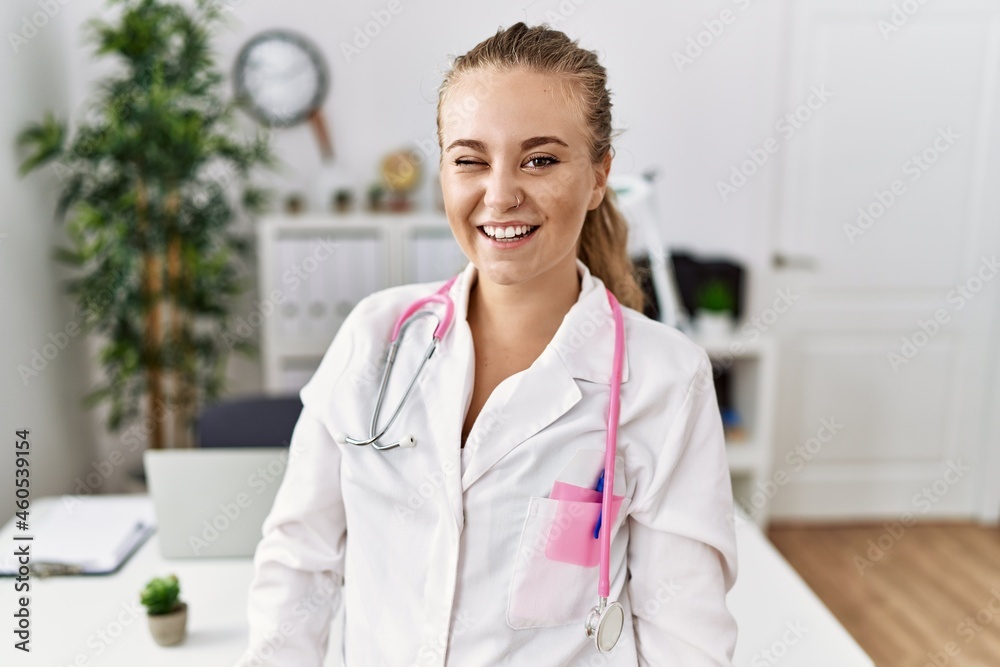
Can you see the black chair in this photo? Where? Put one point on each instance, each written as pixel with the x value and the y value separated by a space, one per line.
pixel 255 421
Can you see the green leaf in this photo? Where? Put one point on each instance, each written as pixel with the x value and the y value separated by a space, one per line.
pixel 95 397
pixel 67 256
pixel 44 142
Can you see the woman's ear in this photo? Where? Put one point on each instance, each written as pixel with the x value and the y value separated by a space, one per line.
pixel 600 181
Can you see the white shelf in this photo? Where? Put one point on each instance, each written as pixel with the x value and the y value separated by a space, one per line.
pixel 751 364
pixel 743 456
pixel 735 346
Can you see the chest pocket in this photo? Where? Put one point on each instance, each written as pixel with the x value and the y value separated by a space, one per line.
pixel 557 565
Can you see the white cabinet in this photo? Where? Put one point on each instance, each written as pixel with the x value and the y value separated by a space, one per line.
pixel 315 268
pixel 432 253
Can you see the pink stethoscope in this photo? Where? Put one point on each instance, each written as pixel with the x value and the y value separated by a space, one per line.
pixel 604 623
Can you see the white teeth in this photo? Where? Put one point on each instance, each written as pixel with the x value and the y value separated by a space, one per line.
pixel 506 232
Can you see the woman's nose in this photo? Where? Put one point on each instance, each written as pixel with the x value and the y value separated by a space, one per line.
pixel 502 193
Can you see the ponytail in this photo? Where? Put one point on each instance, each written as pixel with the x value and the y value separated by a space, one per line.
pixel 604 249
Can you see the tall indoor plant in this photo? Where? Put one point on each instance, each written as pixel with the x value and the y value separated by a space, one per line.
pixel 144 195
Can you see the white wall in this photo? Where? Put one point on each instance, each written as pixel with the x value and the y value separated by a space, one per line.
pixel 31 299
pixel 690 125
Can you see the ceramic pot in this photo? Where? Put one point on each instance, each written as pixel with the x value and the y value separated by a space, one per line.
pixel 169 629
pixel 711 325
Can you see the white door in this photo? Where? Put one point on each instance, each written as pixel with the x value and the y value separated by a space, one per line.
pixel 887 228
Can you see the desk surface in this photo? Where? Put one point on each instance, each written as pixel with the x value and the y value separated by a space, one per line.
pixel 98 621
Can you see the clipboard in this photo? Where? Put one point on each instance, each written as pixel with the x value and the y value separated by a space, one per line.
pixel 79 534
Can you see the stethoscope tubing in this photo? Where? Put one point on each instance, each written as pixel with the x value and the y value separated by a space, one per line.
pixel 611 447
pixel 438 297
pixel 409 316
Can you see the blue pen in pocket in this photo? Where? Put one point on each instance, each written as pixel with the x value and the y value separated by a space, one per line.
pixel 599 487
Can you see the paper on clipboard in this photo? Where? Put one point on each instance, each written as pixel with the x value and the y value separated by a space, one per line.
pixel 96 534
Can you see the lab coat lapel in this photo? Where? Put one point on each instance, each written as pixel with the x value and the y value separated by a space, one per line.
pixel 446 381
pixel 581 349
pixel 542 394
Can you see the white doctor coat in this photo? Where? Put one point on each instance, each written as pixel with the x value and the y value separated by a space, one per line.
pixel 438 552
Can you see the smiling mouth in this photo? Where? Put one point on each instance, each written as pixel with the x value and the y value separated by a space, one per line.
pixel 508 233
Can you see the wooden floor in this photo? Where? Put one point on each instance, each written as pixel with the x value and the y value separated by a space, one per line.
pixel 923 595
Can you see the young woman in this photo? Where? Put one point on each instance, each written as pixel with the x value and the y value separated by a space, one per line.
pixel 465 548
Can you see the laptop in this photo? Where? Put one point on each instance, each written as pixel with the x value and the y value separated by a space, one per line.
pixel 212 502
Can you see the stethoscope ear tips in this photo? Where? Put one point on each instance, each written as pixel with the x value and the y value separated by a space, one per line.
pixel 340 438
pixel 407 442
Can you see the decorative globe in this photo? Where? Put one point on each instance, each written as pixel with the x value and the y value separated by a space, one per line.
pixel 401 171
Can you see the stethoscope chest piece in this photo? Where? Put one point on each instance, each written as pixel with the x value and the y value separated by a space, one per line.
pixel 604 625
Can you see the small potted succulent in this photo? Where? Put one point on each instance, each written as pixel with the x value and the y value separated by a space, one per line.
pixel 376 197
pixel 167 614
pixel 343 199
pixel 714 314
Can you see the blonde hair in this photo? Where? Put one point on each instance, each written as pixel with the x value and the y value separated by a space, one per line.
pixel 603 243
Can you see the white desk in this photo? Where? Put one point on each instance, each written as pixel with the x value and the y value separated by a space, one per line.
pixel 70 615
pixel 770 599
